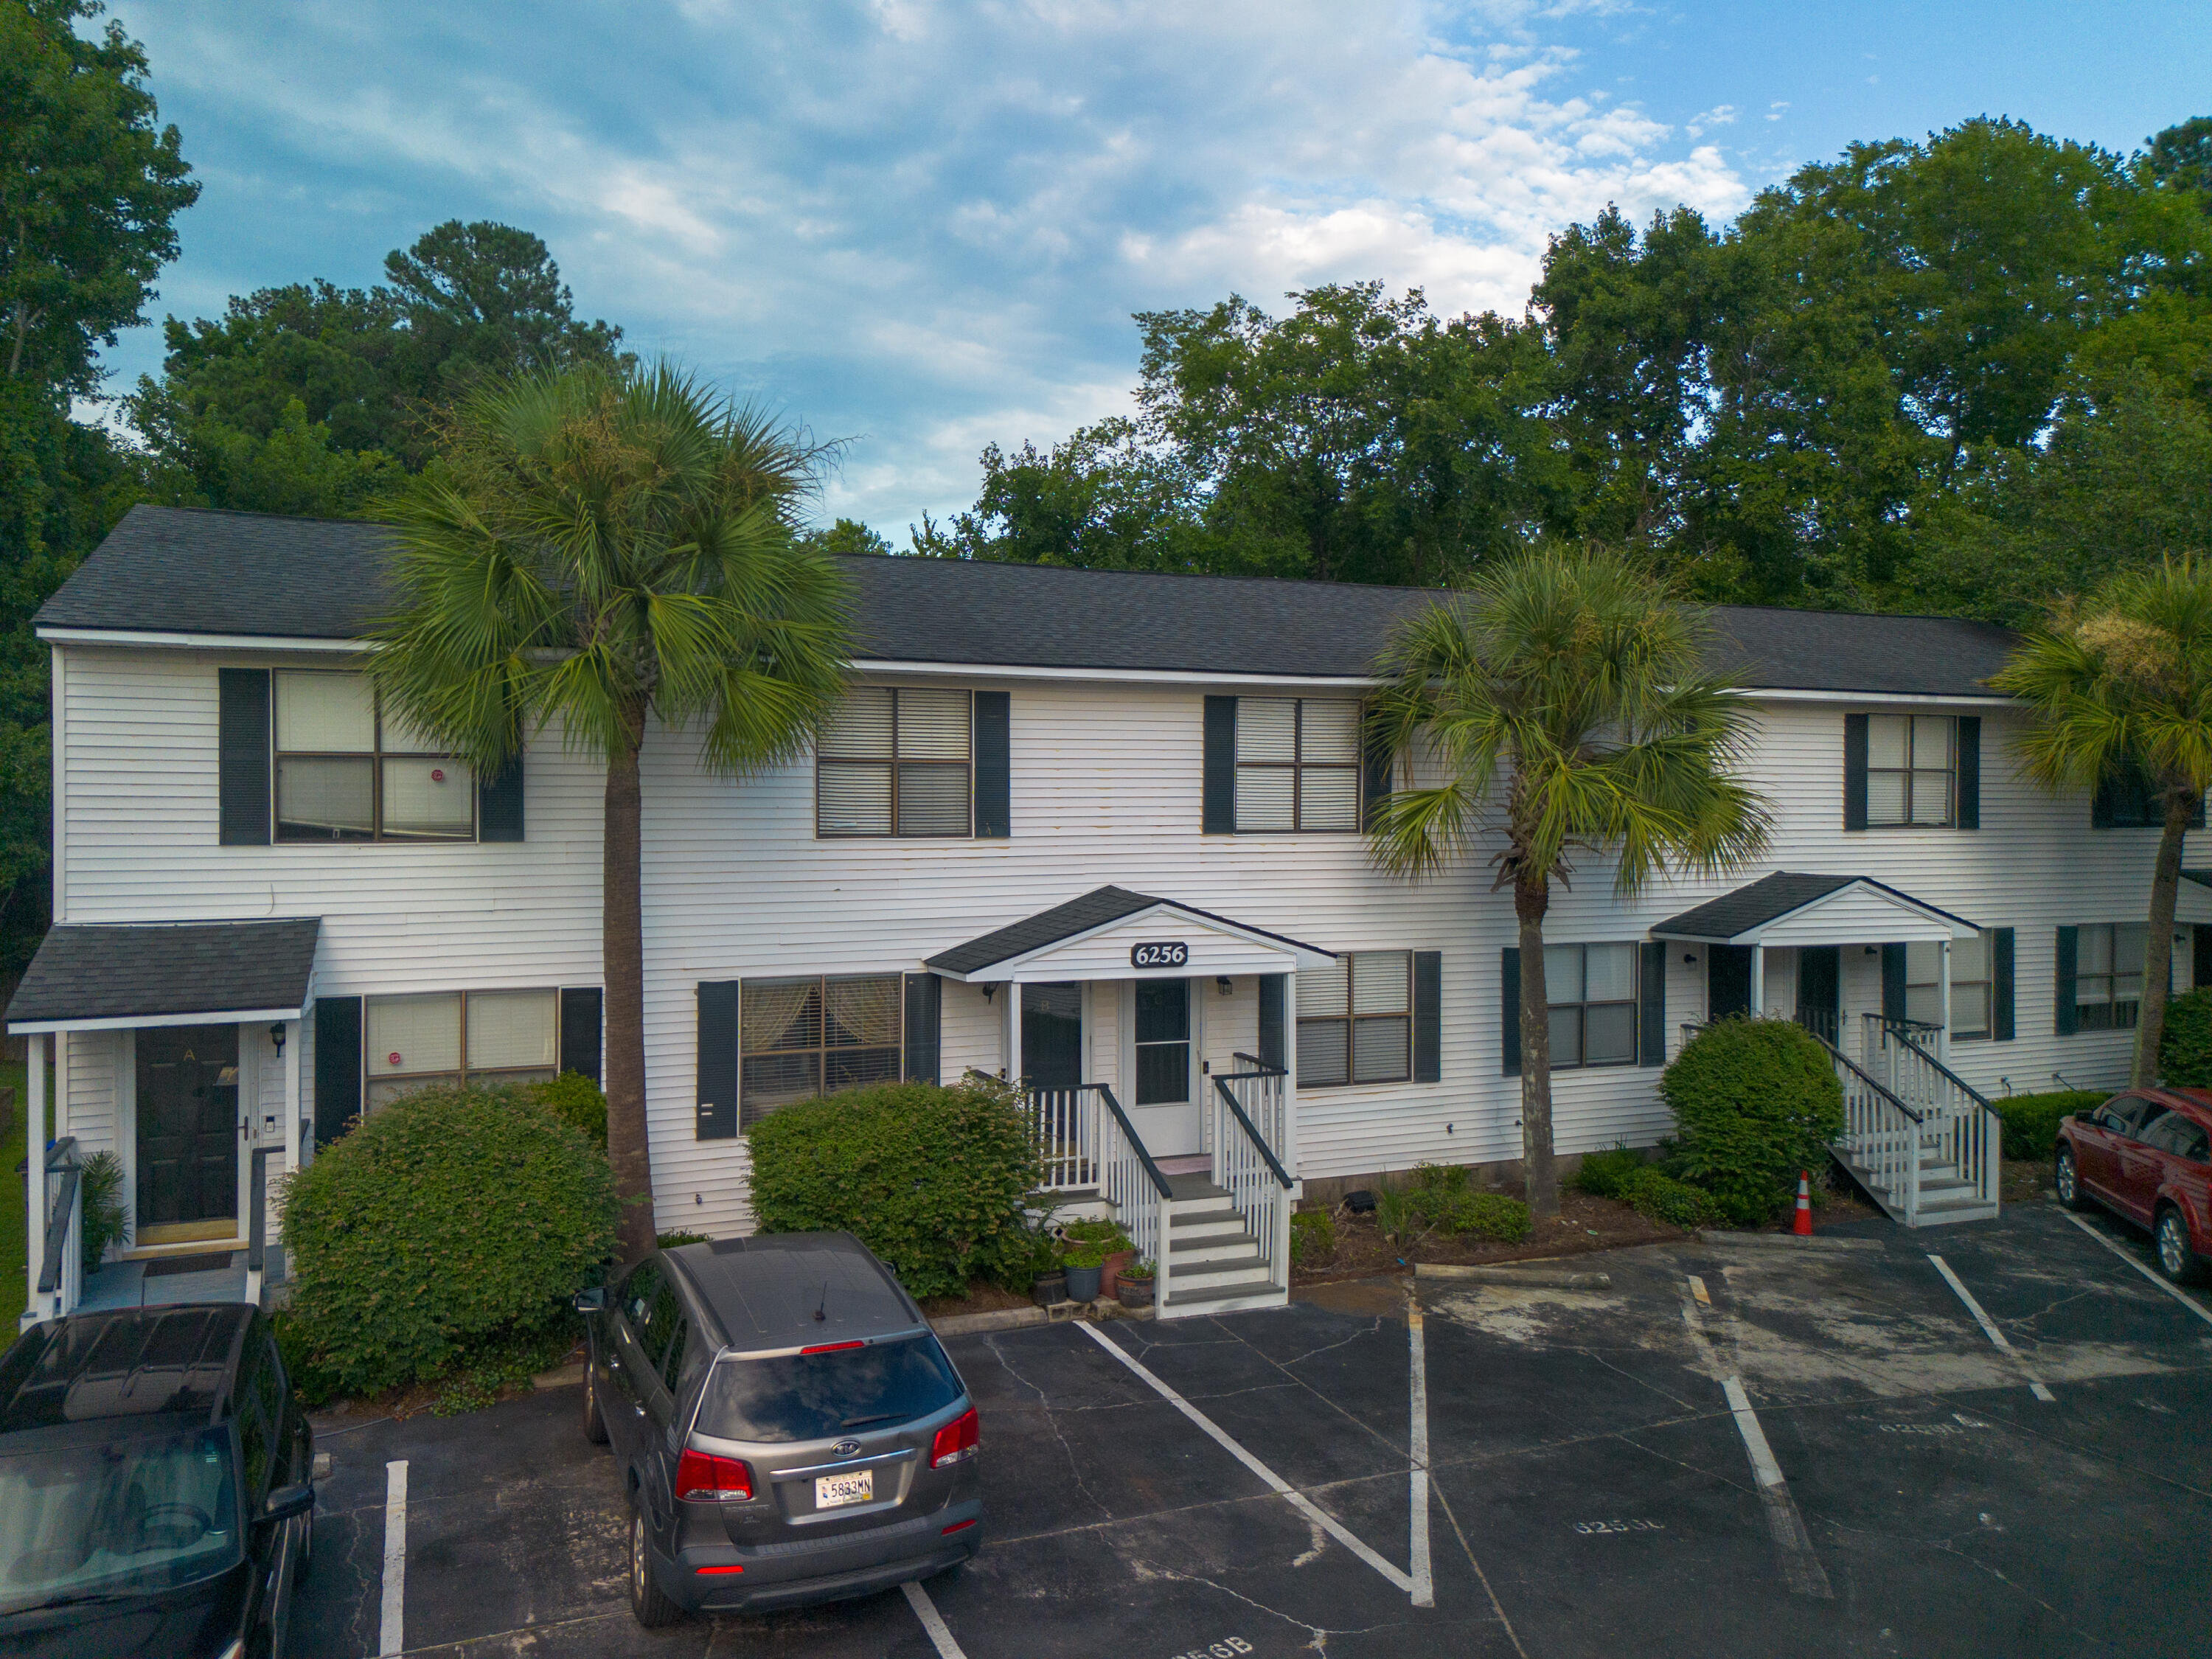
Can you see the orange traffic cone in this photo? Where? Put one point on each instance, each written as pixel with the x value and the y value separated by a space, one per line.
pixel 1801 1224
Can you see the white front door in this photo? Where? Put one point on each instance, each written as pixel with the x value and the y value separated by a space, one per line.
pixel 1162 1066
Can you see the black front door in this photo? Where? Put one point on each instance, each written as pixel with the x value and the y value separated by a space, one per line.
pixel 187 1124
pixel 1820 990
pixel 1727 981
pixel 1052 1035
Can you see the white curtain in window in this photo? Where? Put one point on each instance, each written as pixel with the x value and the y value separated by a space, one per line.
pixel 1885 741
pixel 779 1014
pixel 1609 973
pixel 326 794
pixel 861 727
pixel 863 1012
pixel 933 725
pixel 400 738
pixel 1267 729
pixel 511 1030
pixel 1563 973
pixel 322 711
pixel 429 798
pixel 1328 732
pixel 414 1034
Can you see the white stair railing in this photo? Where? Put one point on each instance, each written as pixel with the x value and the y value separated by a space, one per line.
pixel 1959 1127
pixel 1247 1166
pixel 1133 1184
pixel 1064 1124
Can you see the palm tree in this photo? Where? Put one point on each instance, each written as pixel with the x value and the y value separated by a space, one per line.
pixel 1561 699
pixel 601 548
pixel 2120 689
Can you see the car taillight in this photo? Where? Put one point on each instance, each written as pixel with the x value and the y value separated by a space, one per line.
pixel 703 1478
pixel 955 1441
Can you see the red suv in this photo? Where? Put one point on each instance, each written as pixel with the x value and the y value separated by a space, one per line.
pixel 2147 1154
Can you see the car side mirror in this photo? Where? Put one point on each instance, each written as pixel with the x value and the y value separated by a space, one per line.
pixel 285 1502
pixel 593 1300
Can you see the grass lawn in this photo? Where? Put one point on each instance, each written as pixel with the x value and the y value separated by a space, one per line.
pixel 15 1288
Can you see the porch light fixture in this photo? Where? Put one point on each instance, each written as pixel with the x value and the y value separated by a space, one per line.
pixel 988 989
pixel 1221 984
pixel 276 1037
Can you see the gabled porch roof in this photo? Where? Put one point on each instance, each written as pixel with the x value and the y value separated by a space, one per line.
pixel 1798 908
pixel 1080 939
pixel 185 973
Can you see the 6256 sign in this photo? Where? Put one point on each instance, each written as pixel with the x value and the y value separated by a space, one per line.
pixel 1160 953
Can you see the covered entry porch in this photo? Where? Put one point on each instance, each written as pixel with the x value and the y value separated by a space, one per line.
pixel 1148 1038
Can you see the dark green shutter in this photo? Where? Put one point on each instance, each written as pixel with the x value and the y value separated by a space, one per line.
pixel 2001 984
pixel 338 1066
pixel 2200 956
pixel 1428 1016
pixel 2101 803
pixel 1970 771
pixel 581 1018
pixel 499 803
pixel 1218 810
pixel 994 766
pixel 1274 1050
pixel 717 1060
pixel 242 760
pixel 1375 777
pixel 2066 1013
pixel 1651 987
pixel 1892 981
pixel 1509 1006
pixel 1855 771
pixel 925 1012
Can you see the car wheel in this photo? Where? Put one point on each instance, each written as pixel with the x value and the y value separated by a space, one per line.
pixel 2176 1259
pixel 2069 1180
pixel 647 1604
pixel 595 1425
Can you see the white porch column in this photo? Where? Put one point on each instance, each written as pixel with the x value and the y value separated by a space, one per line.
pixel 1013 993
pixel 1758 982
pixel 35 1158
pixel 1943 984
pixel 295 1145
pixel 1290 1076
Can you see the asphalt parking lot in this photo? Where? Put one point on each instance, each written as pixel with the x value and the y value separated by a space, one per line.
pixel 1731 1449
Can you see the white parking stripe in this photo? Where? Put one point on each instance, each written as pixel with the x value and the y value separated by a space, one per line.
pixel 392 1631
pixel 1424 1583
pixel 932 1622
pixel 1990 1329
pixel 1290 1494
pixel 2173 1290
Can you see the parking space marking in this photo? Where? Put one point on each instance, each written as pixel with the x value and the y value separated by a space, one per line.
pixel 1424 1583
pixel 392 1630
pixel 932 1621
pixel 1990 1329
pixel 1290 1494
pixel 2173 1290
pixel 1800 1567
pixel 1698 1290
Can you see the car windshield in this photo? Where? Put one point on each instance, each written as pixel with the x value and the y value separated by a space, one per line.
pixel 116 1517
pixel 820 1396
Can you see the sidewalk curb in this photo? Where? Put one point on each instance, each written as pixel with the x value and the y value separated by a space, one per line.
pixel 1013 1318
pixel 1789 1241
pixel 1506 1273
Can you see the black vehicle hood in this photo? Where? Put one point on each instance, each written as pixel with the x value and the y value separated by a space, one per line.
pixel 195 1622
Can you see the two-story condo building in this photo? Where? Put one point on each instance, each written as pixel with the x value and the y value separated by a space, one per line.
pixel 1097 830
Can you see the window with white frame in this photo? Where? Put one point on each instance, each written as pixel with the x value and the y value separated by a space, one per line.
pixel 897 761
pixel 1298 765
pixel 1970 985
pixel 1355 1020
pixel 348 770
pixel 1911 769
pixel 411 1042
pixel 2108 975
pixel 1591 989
pixel 800 1037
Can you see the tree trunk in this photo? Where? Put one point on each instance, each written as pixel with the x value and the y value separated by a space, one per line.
pixel 622 952
pixel 2158 935
pixel 1532 897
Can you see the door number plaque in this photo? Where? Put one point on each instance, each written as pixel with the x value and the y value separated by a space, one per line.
pixel 1160 953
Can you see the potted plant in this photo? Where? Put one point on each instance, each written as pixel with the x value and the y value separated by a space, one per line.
pixel 1137 1281
pixel 1048 1279
pixel 1095 1245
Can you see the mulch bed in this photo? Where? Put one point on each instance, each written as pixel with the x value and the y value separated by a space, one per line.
pixel 983 1297
pixel 2026 1181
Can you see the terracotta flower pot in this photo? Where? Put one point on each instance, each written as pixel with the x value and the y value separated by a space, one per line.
pixel 1109 1276
pixel 1137 1293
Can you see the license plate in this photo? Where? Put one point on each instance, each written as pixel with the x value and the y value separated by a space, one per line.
pixel 834 1491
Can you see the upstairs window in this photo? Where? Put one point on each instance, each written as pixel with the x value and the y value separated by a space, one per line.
pixel 347 770
pixel 1591 989
pixel 798 1038
pixel 897 761
pixel 2108 976
pixel 1298 765
pixel 1355 1020
pixel 454 1037
pixel 1912 770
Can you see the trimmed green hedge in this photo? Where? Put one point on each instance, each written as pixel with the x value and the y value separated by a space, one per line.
pixel 448 1225
pixel 576 1100
pixel 2184 1052
pixel 1626 1176
pixel 1754 1102
pixel 932 1180
pixel 2030 1122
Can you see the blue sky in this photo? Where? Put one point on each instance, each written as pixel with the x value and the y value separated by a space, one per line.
pixel 923 226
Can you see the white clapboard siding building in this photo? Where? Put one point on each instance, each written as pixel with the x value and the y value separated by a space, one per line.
pixel 1096 831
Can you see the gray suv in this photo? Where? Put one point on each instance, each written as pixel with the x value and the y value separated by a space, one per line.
pixel 790 1429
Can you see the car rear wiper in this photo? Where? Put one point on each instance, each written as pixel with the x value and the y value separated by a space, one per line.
pixel 855 1422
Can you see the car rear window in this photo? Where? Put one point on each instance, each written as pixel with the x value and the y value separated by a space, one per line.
pixel 819 1396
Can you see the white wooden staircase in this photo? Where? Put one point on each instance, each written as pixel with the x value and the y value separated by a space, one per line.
pixel 1923 1144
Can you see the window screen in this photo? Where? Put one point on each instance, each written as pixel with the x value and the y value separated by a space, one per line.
pixel 1298 765
pixel 1355 1021
pixel 1591 989
pixel 798 1038
pixel 896 762
pixel 344 773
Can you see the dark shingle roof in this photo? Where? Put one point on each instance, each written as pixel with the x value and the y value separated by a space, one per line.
pixel 1758 902
pixel 167 967
pixel 1096 908
pixel 189 571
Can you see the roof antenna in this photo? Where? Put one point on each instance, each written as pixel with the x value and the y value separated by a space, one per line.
pixel 822 1307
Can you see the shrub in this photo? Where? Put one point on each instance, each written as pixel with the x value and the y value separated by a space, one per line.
pixel 2184 1051
pixel 932 1180
pixel 2030 1122
pixel 1312 1237
pixel 1606 1175
pixel 1090 1243
pixel 451 1224
pixel 105 1218
pixel 1441 1199
pixel 1754 1102
pixel 577 1101
pixel 1652 1191
pixel 677 1241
